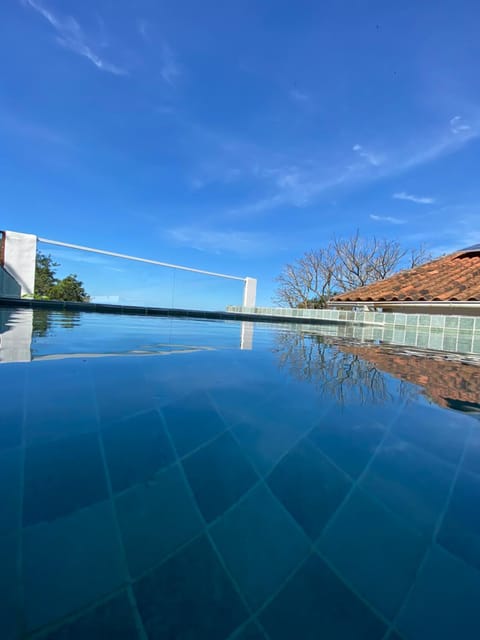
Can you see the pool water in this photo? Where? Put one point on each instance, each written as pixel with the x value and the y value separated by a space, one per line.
pixel 158 481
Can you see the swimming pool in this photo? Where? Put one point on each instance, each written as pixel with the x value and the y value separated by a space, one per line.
pixel 184 479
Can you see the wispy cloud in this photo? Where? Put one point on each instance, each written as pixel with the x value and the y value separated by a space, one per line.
pixel 457 125
pixel 299 96
pixel 209 240
pixel 441 239
pixel 402 195
pixel 299 176
pixel 143 29
pixel 72 255
pixel 13 123
pixel 389 219
pixel 371 158
pixel 170 70
pixel 71 36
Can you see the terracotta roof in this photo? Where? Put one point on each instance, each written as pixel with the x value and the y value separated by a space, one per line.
pixel 449 383
pixel 455 277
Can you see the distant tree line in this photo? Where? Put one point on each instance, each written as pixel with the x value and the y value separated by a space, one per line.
pixel 49 287
pixel 343 265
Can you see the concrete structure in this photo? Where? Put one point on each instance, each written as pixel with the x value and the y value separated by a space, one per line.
pixel 18 257
pixel 9 287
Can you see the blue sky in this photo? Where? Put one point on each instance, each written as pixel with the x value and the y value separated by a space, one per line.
pixel 233 136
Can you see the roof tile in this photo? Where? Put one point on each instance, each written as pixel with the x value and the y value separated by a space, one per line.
pixel 455 277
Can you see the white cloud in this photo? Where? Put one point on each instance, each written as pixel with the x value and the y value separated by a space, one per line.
pixel 389 219
pixel 457 125
pixel 402 195
pixel 71 36
pixel 208 240
pixel 371 158
pixel 169 69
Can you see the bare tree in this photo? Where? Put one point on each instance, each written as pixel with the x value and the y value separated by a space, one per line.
pixel 308 279
pixel 343 265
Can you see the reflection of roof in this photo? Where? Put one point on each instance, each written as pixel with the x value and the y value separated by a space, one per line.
pixel 449 383
pixel 455 277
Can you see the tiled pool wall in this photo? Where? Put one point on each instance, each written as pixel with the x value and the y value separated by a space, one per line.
pixel 440 332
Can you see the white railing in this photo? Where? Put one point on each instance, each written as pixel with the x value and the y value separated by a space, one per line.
pixel 18 256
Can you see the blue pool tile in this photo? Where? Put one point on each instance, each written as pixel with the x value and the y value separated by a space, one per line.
pixel 63 476
pixel 316 604
pixel 219 474
pixel 192 422
pixel 272 430
pixel 189 596
pixel 309 486
pixel 70 563
pixel 444 601
pixel 10 490
pixel 260 544
pixel 471 460
pixel 135 449
pixel 155 519
pixel 12 384
pixel 460 530
pixel 113 619
pixel 239 402
pixel 440 433
pixel 373 551
pixel 121 389
pixel 60 400
pixel 349 440
pixel 250 631
pixel 9 588
pixel 409 481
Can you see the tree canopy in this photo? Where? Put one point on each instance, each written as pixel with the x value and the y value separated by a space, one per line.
pixel 49 287
pixel 343 265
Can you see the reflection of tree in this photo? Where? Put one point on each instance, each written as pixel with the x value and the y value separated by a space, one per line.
pixel 41 323
pixel 44 320
pixel 334 371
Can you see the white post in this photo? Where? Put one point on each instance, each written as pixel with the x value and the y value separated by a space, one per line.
pixel 250 293
pixel 19 258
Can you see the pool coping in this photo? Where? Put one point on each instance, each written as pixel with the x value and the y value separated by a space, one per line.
pixel 117 309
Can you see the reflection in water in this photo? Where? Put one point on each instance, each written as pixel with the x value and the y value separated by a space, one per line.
pixel 27 334
pixel 43 321
pixel 15 335
pixel 353 373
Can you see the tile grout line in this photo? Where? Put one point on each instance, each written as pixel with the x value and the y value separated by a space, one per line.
pixel 356 484
pixel 206 532
pixel 73 616
pixel 433 540
pixel 22 614
pixel 130 595
pixel 374 498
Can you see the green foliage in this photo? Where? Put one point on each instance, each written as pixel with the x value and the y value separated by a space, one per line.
pixel 70 288
pixel 45 278
pixel 49 287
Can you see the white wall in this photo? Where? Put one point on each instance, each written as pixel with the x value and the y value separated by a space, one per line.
pixel 20 255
